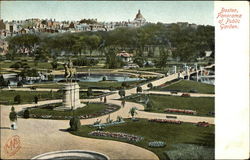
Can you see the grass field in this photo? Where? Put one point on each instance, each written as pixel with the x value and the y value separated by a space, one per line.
pixel 202 105
pixel 91 108
pixel 85 85
pixel 7 97
pixel 187 86
pixel 171 134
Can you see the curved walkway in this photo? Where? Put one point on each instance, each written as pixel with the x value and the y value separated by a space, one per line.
pixel 39 135
pixel 180 93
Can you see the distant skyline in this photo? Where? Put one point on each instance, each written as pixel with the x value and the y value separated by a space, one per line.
pixel 153 11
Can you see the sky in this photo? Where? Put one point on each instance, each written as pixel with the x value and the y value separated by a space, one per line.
pixel 153 11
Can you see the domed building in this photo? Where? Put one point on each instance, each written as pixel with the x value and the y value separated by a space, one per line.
pixel 139 19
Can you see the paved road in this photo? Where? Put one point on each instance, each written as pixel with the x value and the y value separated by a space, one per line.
pixel 39 136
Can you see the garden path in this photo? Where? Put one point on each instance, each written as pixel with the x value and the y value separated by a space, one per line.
pixel 40 136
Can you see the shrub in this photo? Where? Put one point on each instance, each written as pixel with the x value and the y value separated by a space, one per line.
pixel 85 62
pixel 122 93
pixel 150 85
pixel 36 99
pixel 139 89
pixel 29 73
pixel 17 99
pixel 75 124
pixel 26 113
pixel 13 114
pixel 16 65
pixel 119 119
pixel 133 112
pixel 124 84
pixel 51 77
pixel 54 64
pixel 19 84
pixel 104 78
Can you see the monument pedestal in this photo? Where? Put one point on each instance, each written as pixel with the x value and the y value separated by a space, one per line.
pixel 71 98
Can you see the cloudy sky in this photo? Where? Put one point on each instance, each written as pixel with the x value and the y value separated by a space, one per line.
pixel 153 11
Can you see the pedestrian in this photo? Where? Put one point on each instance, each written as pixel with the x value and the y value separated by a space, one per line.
pixel 13 118
pixel 105 99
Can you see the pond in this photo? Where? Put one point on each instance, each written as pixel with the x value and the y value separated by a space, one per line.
pixel 80 77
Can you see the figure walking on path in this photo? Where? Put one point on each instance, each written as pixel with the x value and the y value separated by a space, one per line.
pixel 13 118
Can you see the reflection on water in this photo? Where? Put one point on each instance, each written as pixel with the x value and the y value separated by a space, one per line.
pixel 80 77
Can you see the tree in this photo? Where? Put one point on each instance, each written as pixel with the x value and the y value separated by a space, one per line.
pixel 162 61
pixel 112 61
pixel 133 112
pixel 124 84
pixel 92 42
pixel 17 99
pixel 105 100
pixel 139 89
pixel 3 83
pixel 89 92
pixel 13 114
pixel 19 84
pixel 122 93
pixel 150 85
pixel 23 43
pixel 104 78
pixel 75 124
pixel 149 106
pixel 26 113
pixel 139 61
pixel 36 99
pixel 54 64
pixel 41 55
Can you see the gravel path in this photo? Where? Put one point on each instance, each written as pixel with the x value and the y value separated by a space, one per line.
pixel 40 136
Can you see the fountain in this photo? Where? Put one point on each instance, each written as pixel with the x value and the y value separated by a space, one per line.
pixel 72 154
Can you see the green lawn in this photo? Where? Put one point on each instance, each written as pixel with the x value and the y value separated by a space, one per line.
pixel 91 108
pixel 7 97
pixel 171 134
pixel 85 85
pixel 83 94
pixel 39 65
pixel 187 86
pixel 202 105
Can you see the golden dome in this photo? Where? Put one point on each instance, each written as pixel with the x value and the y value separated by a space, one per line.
pixel 139 15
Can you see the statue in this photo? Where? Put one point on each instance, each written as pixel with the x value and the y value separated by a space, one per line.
pixel 69 70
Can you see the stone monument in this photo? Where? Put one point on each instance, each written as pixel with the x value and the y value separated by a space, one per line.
pixel 70 89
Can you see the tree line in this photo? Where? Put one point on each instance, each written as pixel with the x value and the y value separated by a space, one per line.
pixel 185 43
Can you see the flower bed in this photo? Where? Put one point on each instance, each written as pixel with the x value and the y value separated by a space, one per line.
pixel 165 121
pixel 180 111
pixel 109 109
pixel 185 95
pixel 108 124
pixel 157 144
pixel 125 136
pixel 202 124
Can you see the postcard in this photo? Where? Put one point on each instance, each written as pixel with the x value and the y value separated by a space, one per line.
pixel 115 80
